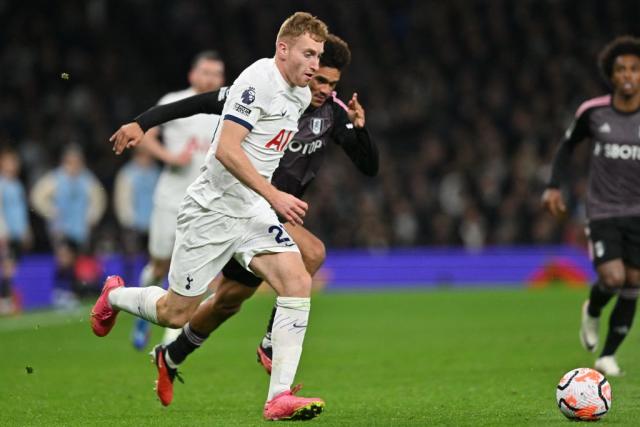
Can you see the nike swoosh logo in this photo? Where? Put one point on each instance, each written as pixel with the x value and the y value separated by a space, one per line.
pixel 299 326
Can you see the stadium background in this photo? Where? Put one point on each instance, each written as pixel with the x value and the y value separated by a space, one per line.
pixel 466 100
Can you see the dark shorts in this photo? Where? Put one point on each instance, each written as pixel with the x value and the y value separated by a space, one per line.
pixel 234 271
pixel 614 238
pixel 13 250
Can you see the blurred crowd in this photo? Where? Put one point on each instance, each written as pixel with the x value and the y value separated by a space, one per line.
pixel 467 100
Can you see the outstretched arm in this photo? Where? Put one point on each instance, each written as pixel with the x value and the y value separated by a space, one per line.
pixel 131 134
pixel 204 103
pixel 350 133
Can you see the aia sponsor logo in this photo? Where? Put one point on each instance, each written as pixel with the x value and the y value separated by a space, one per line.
pixel 280 141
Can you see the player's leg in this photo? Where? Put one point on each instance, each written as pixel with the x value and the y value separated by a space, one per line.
pixel 611 278
pixel 161 239
pixel 313 255
pixel 205 241
pixel 203 244
pixel 620 323
pixel 6 281
pixel 605 247
pixel 285 272
pixel 65 252
pixel 210 314
pixel 624 311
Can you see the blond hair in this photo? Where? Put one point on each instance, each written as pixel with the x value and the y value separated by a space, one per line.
pixel 300 23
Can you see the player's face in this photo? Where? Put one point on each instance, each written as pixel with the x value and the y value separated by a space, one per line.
pixel 302 59
pixel 73 163
pixel 10 165
pixel 322 84
pixel 626 75
pixel 207 75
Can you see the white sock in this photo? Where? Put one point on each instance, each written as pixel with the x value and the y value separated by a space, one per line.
pixel 287 335
pixel 170 335
pixel 140 302
pixel 148 279
pixel 167 358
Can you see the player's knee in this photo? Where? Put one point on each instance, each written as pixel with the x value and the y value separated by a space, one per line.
pixel 172 317
pixel 314 256
pixel 297 285
pixel 225 310
pixel 175 321
pixel 613 279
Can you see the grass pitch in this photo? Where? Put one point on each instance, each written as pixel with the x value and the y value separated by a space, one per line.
pixel 490 357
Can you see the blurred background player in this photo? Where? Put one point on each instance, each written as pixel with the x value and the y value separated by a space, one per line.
pixel 72 201
pixel 133 202
pixel 183 148
pixel 15 234
pixel 327 121
pixel 612 124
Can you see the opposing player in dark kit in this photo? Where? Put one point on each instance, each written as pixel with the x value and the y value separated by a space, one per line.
pixel 612 125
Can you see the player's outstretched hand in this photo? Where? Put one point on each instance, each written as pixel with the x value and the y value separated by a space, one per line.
pixel 355 111
pixel 127 136
pixel 289 207
pixel 552 201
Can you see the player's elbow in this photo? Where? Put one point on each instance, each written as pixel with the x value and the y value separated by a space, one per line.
pixel 222 154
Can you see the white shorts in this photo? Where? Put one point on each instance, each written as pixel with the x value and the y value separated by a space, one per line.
pixel 207 240
pixel 162 232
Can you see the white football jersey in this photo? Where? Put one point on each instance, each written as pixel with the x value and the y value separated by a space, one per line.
pixel 262 101
pixel 196 133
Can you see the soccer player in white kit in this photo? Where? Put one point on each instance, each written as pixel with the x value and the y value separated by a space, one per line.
pixel 184 145
pixel 230 211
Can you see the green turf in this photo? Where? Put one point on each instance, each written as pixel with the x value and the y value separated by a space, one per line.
pixel 406 358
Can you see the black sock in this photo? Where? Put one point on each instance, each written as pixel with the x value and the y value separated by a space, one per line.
pixel 273 316
pixel 619 323
pixel 186 343
pixel 5 288
pixel 599 297
pixel 63 279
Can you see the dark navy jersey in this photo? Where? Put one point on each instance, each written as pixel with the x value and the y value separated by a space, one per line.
pixel 305 153
pixel 614 171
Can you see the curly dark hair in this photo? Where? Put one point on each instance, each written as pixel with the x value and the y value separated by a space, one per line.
pixel 623 45
pixel 336 53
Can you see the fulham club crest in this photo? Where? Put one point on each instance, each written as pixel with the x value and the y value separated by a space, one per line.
pixel 316 126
